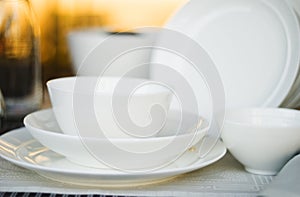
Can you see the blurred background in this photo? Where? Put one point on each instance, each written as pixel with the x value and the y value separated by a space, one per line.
pixel 58 17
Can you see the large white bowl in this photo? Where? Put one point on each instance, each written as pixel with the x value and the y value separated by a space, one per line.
pixel 263 140
pixel 43 127
pixel 85 105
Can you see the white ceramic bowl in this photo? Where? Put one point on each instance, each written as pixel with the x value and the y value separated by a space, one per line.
pixel 43 127
pixel 263 140
pixel 85 105
pixel 99 44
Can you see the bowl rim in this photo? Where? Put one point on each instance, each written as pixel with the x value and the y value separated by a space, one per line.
pixel 50 85
pixel 264 114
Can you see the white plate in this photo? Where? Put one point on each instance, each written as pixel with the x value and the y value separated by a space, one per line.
pixel 293 100
pixel 20 148
pixel 255 45
pixel 162 149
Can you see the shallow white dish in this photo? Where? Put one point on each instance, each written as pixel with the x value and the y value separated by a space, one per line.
pixel 20 148
pixel 254 44
pixel 154 152
pixel 262 139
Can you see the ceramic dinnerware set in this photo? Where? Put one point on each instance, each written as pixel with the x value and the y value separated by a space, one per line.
pixel 254 46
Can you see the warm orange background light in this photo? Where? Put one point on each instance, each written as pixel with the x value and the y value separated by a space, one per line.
pixel 58 17
pixel 117 13
pixel 127 14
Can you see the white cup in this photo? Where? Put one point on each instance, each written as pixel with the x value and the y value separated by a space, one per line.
pixel 82 42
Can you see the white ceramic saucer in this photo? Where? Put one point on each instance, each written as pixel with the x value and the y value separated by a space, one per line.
pixel 19 147
pixel 154 152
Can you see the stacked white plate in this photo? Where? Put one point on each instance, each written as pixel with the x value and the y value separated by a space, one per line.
pixel 293 99
pixel 255 45
pixel 42 147
pixel 20 148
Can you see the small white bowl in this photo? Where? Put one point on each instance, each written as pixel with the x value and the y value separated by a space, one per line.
pixel 44 128
pixel 119 107
pixel 263 140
